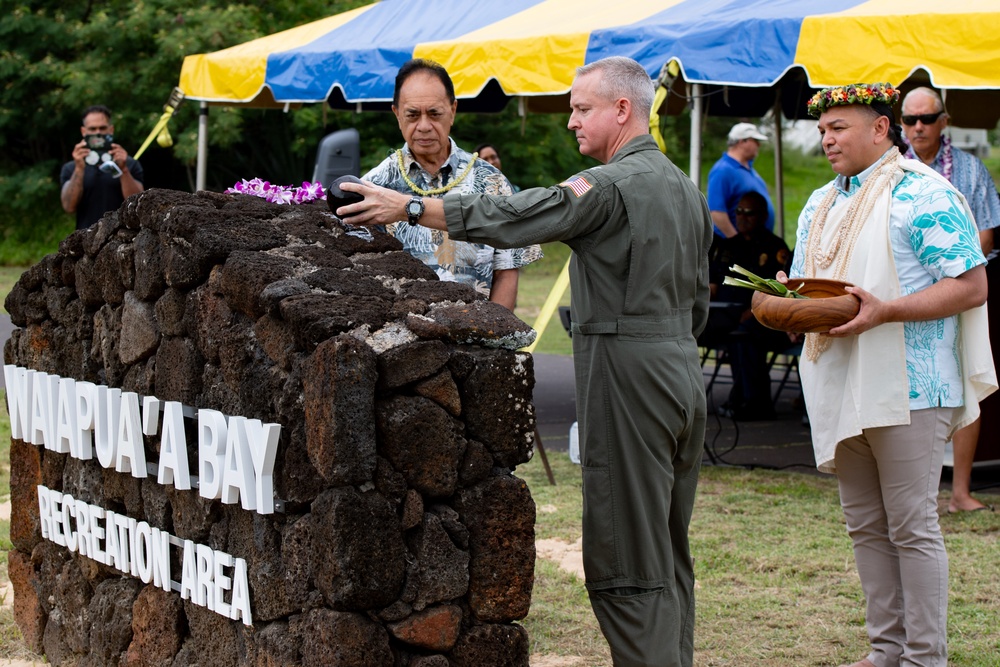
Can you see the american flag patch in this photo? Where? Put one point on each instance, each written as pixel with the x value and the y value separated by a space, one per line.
pixel 578 184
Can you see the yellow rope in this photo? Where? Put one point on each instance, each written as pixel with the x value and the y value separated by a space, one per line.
pixel 550 305
pixel 668 73
pixel 654 119
pixel 160 131
pixel 160 125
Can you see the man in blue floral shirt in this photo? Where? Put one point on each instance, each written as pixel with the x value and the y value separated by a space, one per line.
pixel 887 390
pixel 924 120
pixel 431 164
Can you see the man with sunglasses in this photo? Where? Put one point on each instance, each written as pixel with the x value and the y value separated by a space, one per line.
pixel 924 120
pixel 101 174
pixel 747 341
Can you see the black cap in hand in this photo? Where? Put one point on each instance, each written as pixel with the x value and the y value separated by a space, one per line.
pixel 335 197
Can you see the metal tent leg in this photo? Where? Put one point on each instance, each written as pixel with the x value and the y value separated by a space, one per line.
pixel 545 459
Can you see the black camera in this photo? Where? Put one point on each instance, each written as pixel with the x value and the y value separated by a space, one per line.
pixel 100 153
pixel 99 142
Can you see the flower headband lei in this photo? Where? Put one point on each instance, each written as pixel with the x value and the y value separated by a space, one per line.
pixel 856 93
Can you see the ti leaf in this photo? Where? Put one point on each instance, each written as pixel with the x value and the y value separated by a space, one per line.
pixel 766 285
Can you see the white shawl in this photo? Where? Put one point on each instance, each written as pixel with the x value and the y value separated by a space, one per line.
pixel 860 381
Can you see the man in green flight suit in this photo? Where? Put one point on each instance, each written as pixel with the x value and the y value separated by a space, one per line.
pixel 640 233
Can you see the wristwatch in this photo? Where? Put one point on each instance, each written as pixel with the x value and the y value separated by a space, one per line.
pixel 414 209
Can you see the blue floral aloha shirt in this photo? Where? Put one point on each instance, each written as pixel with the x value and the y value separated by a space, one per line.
pixel 932 238
pixel 458 261
pixel 971 177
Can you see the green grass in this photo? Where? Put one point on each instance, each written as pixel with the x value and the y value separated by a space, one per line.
pixel 776 582
pixel 24 244
pixel 535 283
pixel 8 276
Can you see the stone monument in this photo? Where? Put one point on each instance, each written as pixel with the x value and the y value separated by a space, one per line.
pixel 246 434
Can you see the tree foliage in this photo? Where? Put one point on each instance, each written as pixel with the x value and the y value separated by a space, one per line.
pixel 57 58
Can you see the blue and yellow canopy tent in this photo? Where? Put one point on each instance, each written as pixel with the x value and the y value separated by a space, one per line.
pixel 724 57
pixel 532 47
pixel 732 57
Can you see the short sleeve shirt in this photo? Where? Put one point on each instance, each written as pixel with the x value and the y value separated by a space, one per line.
pixel 971 177
pixel 101 192
pixel 932 238
pixel 457 261
pixel 728 181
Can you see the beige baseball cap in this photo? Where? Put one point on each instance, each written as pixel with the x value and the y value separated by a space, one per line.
pixel 742 131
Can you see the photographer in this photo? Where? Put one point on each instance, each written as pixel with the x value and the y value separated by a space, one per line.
pixel 101 174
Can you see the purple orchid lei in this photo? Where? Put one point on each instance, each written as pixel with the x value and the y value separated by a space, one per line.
pixel 279 194
pixel 944 157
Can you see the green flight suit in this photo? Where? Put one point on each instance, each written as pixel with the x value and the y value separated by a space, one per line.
pixel 640 233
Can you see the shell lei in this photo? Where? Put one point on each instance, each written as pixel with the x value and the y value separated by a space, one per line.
pixel 842 246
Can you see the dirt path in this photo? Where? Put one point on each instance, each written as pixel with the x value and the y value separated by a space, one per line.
pixel 569 557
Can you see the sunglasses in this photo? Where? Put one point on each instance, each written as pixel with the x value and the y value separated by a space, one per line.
pixel 747 211
pixel 925 118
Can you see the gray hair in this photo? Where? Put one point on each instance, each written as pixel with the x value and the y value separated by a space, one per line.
pixel 623 77
pixel 929 92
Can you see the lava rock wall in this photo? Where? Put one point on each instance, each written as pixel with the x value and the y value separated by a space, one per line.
pixel 404 538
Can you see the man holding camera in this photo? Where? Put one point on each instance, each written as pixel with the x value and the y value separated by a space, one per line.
pixel 101 174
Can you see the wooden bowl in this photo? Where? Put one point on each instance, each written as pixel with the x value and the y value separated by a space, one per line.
pixel 829 305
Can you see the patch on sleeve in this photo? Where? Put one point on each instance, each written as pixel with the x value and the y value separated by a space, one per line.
pixel 578 184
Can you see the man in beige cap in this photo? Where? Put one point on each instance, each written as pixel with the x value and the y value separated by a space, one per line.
pixel 733 176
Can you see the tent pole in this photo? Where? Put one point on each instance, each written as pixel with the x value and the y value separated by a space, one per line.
pixel 694 170
pixel 779 184
pixel 202 168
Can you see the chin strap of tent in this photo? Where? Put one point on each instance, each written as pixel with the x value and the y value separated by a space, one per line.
pixel 160 131
pixel 668 73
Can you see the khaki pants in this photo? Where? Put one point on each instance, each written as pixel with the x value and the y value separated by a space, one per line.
pixel 888 488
